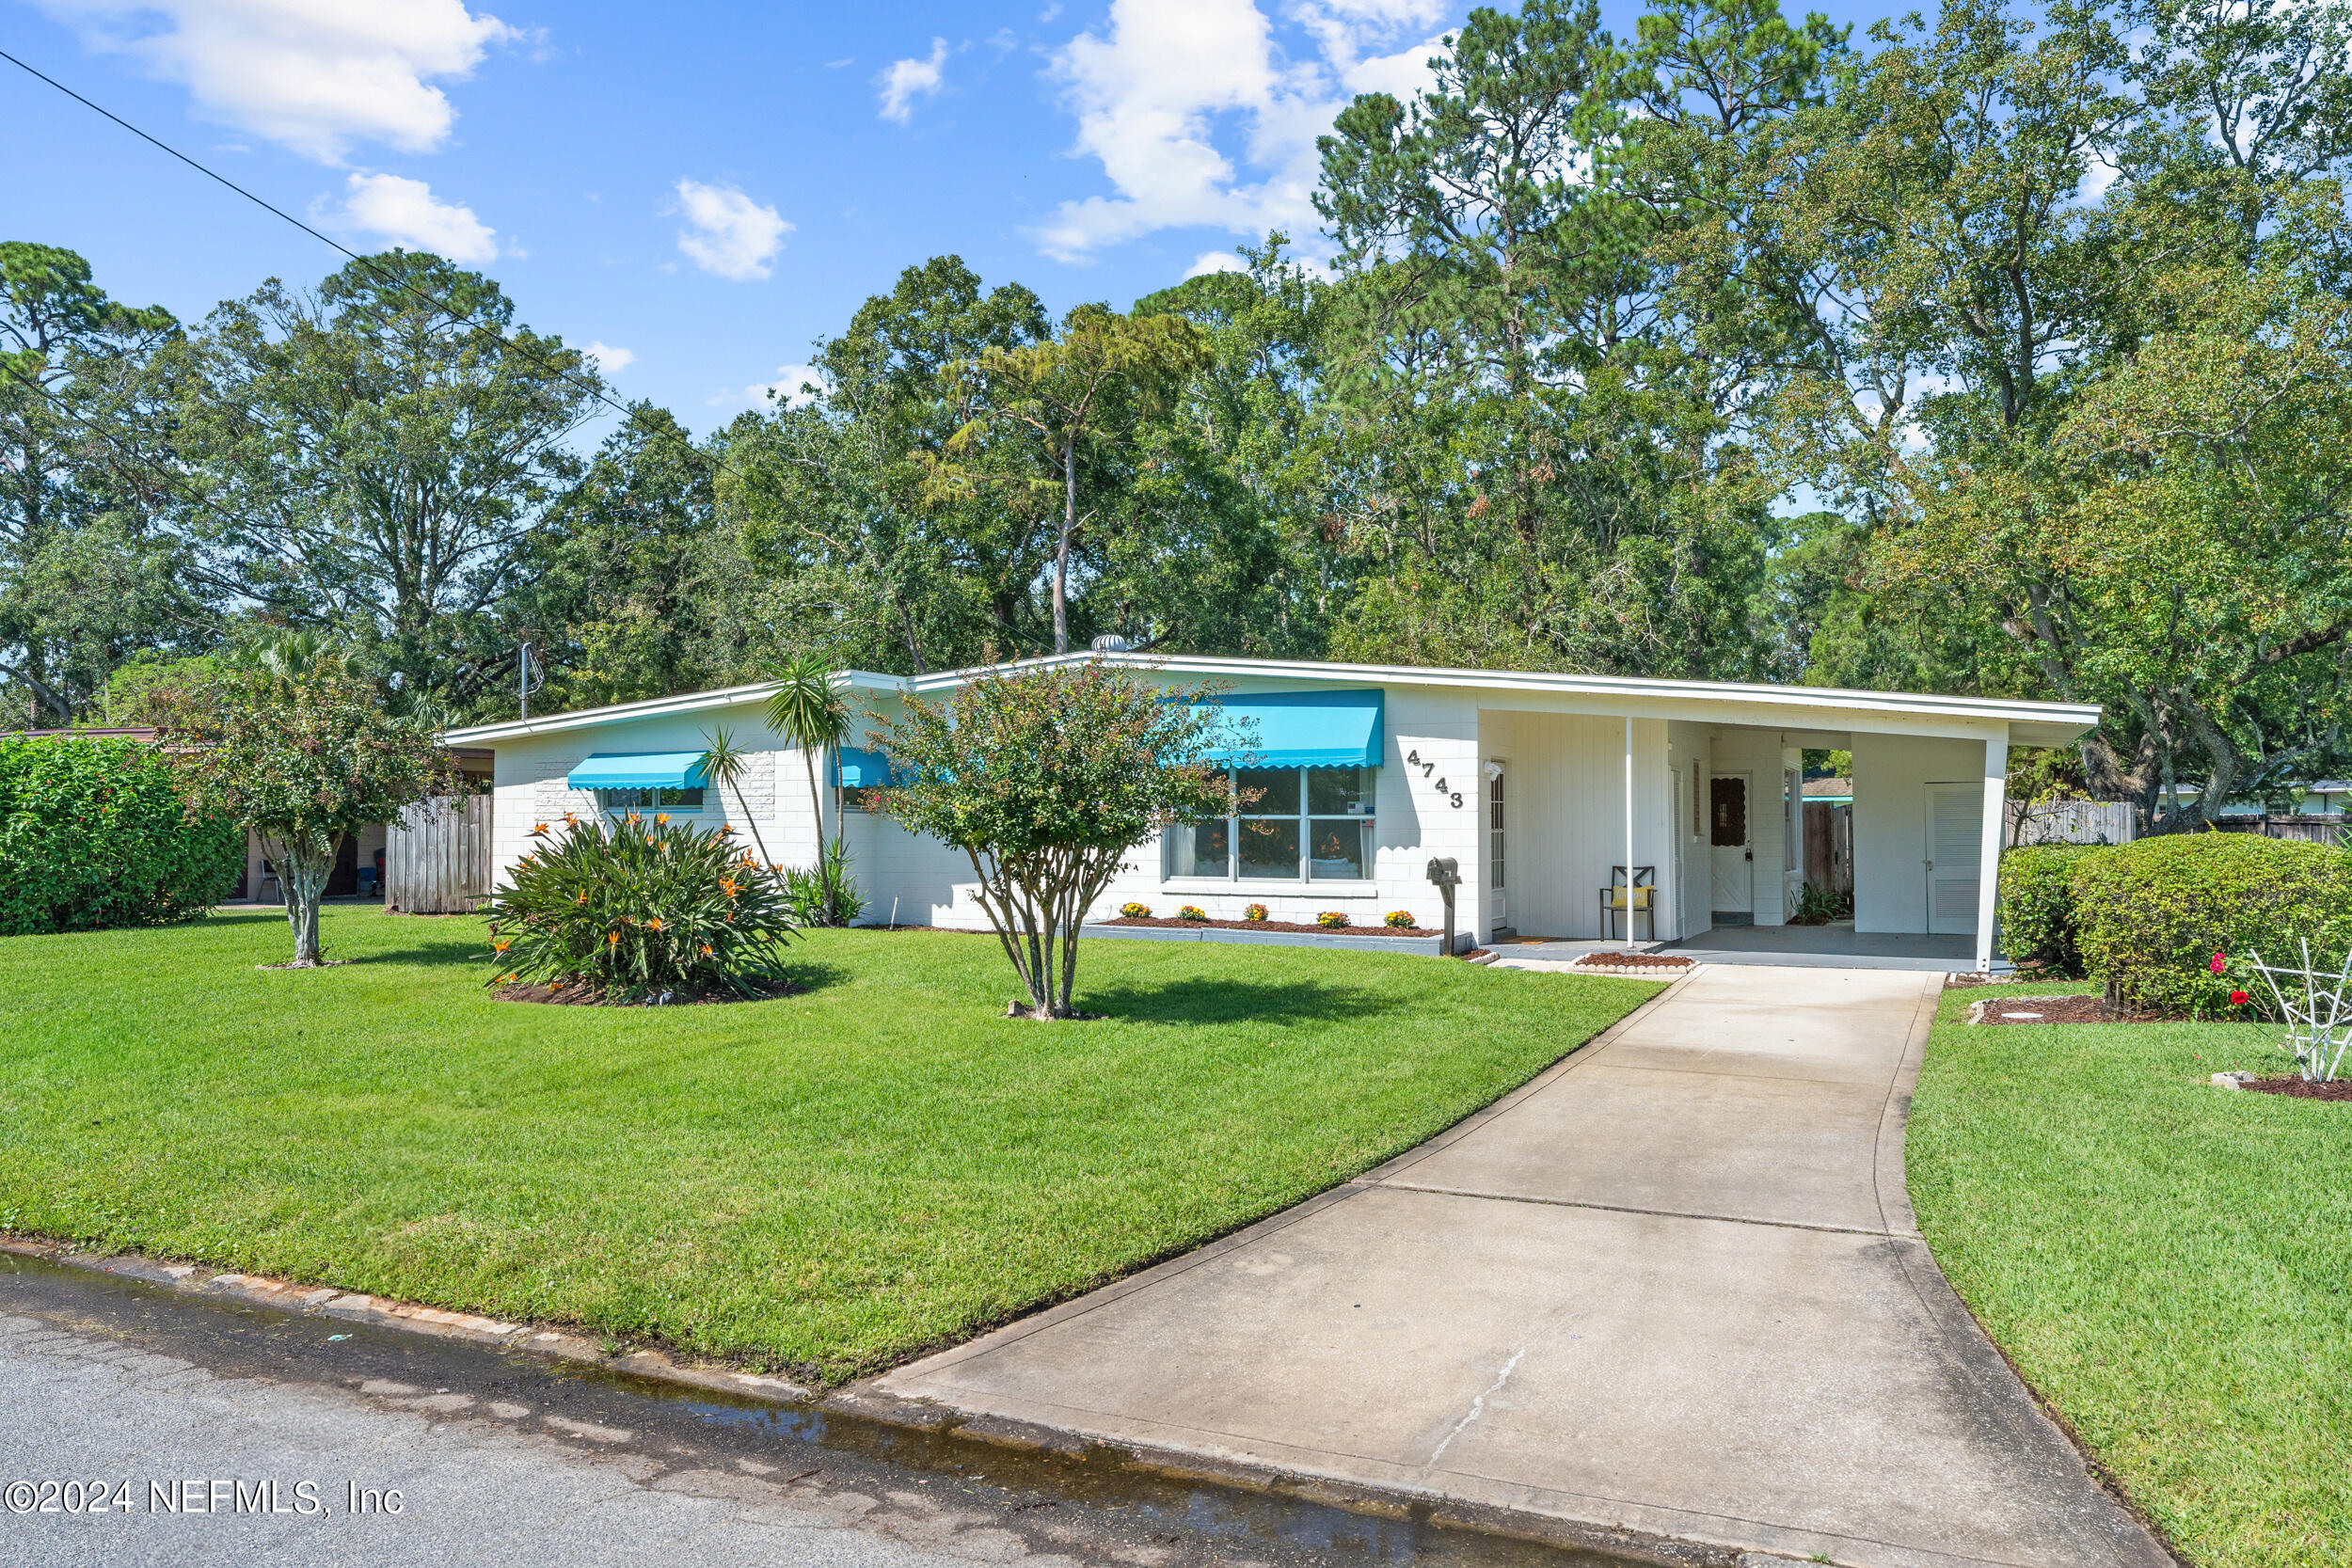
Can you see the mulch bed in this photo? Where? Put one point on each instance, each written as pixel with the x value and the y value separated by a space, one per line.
pixel 1272 925
pixel 578 995
pixel 1633 960
pixel 2053 1009
pixel 2340 1090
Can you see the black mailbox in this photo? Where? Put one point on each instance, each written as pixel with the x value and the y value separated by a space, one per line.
pixel 1445 875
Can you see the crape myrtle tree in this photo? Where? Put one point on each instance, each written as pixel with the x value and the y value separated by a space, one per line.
pixel 303 754
pixel 1045 778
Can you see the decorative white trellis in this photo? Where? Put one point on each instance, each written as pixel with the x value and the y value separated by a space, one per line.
pixel 2319 1022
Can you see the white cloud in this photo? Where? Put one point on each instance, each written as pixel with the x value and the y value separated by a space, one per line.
pixel 313 75
pixel 406 213
pixel 609 359
pixel 1216 261
pixel 1199 117
pixel 903 81
pixel 785 391
pixel 728 233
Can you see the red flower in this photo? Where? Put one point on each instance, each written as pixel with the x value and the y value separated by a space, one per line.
pixel 2239 999
pixel 2219 964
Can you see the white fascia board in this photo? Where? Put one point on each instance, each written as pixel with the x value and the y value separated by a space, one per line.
pixel 654 707
pixel 1641 697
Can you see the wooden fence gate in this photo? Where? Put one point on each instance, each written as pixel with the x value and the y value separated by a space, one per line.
pixel 436 856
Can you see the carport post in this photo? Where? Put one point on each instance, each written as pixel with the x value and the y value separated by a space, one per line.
pixel 1628 845
pixel 1989 850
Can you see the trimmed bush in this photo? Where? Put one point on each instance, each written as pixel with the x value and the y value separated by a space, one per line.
pixel 94 833
pixel 2037 924
pixel 639 908
pixel 2152 914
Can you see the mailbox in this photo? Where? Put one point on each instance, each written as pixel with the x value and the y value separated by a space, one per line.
pixel 1445 875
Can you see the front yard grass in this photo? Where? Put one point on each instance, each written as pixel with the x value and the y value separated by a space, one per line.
pixel 2169 1264
pixel 823 1183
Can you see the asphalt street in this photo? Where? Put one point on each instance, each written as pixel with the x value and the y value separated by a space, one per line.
pixel 138 1427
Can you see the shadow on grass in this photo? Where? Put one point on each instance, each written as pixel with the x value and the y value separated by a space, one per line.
pixel 1214 1001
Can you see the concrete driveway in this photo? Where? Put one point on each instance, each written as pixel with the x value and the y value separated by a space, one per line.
pixel 1671 1287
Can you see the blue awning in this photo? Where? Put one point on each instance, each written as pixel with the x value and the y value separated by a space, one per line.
pixel 855 767
pixel 639 771
pixel 1303 729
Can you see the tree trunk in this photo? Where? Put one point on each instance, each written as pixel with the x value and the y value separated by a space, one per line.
pixel 303 872
pixel 1061 549
pixel 816 825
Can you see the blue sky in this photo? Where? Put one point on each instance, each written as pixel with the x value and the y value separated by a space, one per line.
pixel 703 189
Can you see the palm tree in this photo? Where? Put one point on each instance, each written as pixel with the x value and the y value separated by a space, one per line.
pixel 724 766
pixel 807 713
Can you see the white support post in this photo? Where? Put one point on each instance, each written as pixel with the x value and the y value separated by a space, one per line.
pixel 1989 851
pixel 1628 843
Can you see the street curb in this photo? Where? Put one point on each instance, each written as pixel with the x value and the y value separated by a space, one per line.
pixel 328 1301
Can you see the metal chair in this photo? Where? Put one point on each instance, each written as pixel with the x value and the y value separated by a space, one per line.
pixel 1643 899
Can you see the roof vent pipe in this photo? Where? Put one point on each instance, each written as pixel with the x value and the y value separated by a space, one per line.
pixel 1110 642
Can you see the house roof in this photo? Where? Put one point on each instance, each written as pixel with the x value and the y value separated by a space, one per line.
pixel 1796 707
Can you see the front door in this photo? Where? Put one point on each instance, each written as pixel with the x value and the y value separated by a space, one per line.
pixel 1731 849
pixel 1955 856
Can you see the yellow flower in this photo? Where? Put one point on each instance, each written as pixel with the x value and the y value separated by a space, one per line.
pixel 580 900
pixel 612 939
pixel 571 818
pixel 661 817
pixel 500 946
pixel 539 830
pixel 706 949
pixel 653 925
pixel 514 977
pixel 727 885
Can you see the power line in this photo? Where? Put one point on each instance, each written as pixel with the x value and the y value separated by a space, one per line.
pixel 594 388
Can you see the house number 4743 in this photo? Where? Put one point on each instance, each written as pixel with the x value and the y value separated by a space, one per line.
pixel 1412 759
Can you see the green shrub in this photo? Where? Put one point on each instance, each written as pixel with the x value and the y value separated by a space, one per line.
pixel 94 833
pixel 639 908
pixel 2037 923
pixel 2152 914
pixel 825 895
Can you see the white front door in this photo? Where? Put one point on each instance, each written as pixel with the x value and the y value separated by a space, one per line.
pixel 1731 840
pixel 1955 855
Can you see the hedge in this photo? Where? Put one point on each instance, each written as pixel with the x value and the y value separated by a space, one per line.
pixel 93 834
pixel 2151 915
pixel 2037 907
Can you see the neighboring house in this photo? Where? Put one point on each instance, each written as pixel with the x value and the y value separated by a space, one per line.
pixel 1532 783
pixel 259 881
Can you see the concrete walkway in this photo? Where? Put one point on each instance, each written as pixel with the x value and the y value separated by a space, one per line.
pixel 1672 1288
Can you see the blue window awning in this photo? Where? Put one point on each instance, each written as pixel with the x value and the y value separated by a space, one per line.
pixel 855 767
pixel 1302 729
pixel 639 771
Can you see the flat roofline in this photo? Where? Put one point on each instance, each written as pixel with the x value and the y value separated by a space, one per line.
pixel 2063 719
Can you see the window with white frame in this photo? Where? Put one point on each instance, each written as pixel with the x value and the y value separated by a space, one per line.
pixel 620 801
pixel 1287 825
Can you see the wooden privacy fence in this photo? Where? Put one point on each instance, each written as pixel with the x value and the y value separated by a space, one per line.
pixel 1829 846
pixel 436 856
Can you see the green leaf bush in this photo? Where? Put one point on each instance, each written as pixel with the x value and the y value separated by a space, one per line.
pixel 2152 914
pixel 94 833
pixel 637 908
pixel 2037 924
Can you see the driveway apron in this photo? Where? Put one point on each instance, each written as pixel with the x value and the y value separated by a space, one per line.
pixel 1672 1287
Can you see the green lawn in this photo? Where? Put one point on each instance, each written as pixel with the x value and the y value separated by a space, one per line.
pixel 2168 1263
pixel 823 1183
